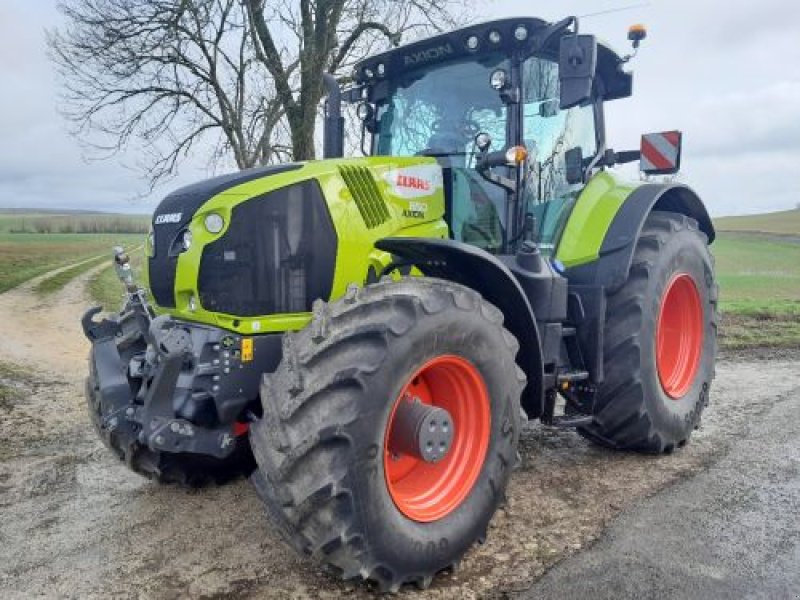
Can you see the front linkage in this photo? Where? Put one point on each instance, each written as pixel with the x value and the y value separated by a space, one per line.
pixel 164 385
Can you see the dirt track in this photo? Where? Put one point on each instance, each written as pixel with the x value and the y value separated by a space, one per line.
pixel 74 522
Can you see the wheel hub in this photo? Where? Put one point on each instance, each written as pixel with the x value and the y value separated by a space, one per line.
pixel 421 430
pixel 436 438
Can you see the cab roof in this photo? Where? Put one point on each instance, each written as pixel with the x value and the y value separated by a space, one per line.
pixel 617 83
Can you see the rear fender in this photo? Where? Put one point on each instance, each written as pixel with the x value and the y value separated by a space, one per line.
pixel 615 255
pixel 477 269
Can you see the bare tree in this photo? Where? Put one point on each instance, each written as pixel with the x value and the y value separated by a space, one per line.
pixel 167 73
pixel 330 36
pixel 243 76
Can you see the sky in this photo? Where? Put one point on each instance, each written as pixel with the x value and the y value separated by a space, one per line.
pixel 725 72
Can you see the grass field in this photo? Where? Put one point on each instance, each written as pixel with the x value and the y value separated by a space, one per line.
pixel 758 269
pixel 785 222
pixel 26 255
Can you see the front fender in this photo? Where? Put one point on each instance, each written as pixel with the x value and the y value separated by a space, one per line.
pixel 477 269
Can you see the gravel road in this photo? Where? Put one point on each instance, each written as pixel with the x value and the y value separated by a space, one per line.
pixel 732 531
pixel 75 523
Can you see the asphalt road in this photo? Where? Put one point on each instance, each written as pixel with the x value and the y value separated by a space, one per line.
pixel 732 531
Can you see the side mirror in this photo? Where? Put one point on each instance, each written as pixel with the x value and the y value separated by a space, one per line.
pixel 577 62
pixel 573 159
pixel 661 153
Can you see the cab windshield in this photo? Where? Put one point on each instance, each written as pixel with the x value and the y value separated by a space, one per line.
pixel 440 109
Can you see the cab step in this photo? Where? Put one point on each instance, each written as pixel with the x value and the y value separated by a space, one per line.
pixel 572 377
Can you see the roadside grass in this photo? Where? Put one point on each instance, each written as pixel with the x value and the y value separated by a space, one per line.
pixel 27 255
pixel 10 378
pixel 105 288
pixel 59 280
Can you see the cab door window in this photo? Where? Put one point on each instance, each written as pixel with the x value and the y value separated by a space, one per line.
pixel 548 133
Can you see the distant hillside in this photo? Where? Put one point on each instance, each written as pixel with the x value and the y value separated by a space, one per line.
pixel 15 221
pixel 786 222
pixel 51 211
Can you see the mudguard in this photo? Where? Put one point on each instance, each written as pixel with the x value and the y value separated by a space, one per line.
pixel 611 268
pixel 475 268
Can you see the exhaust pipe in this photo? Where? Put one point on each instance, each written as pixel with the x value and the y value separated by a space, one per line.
pixel 333 133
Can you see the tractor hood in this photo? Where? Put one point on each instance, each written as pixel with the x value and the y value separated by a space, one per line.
pixel 251 251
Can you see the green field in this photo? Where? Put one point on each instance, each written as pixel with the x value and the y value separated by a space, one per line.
pixel 785 222
pixel 758 269
pixel 26 255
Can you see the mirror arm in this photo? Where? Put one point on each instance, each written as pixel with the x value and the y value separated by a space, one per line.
pixel 484 165
pixel 555 29
pixel 627 156
pixel 597 161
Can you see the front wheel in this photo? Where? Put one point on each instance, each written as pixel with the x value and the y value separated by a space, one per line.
pixel 660 341
pixel 390 430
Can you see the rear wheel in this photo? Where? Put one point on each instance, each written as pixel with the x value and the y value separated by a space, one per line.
pixel 390 430
pixel 192 470
pixel 660 341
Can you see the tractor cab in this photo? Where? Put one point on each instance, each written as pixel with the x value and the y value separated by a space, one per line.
pixel 521 87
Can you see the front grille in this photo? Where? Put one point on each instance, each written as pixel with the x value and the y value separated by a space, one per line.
pixel 366 194
pixel 277 256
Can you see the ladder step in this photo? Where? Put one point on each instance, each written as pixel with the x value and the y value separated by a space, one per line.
pixel 571 421
pixel 568 331
pixel 572 376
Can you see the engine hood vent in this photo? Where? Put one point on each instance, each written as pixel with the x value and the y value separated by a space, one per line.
pixel 366 195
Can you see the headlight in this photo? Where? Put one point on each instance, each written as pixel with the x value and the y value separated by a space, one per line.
pixel 495 37
pixel 499 79
pixel 214 223
pixel 521 33
pixel 473 42
pixel 186 240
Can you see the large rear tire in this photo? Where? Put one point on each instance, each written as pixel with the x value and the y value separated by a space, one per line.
pixel 191 470
pixel 330 474
pixel 660 341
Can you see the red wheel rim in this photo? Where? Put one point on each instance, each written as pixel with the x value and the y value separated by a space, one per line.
pixel 679 336
pixel 425 491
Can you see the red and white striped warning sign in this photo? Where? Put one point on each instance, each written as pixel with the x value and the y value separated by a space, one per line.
pixel 661 152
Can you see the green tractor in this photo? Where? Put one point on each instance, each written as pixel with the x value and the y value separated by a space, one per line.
pixel 364 337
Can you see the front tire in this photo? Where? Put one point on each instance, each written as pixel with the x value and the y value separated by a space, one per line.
pixel 660 341
pixel 330 474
